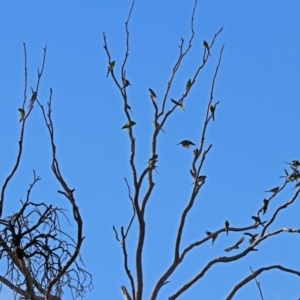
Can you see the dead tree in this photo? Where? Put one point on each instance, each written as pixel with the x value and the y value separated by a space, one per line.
pixel 42 259
pixel 164 107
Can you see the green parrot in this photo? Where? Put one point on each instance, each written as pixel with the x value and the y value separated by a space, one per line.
pixel 265 206
pixel 110 67
pixel 128 125
pixel 33 98
pixel 212 110
pixel 188 85
pixel 178 104
pixel 257 220
pixel 196 152
pixel 274 190
pixel 213 238
pixel 236 246
pixel 152 95
pixel 126 83
pixel 201 178
pixel 157 125
pixel 294 163
pixel 22 114
pixel 152 161
pixel 205 44
pixel 128 107
pixel 226 226
pixel 252 237
pixel 186 143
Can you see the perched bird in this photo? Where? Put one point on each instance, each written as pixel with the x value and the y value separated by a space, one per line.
pixel 213 238
pixel 33 98
pixel 196 152
pixel 212 110
pixel 152 95
pixel 110 67
pixel 252 237
pixel 128 125
pixel 178 104
pixel 152 161
pixel 201 178
pixel 274 190
pixel 265 206
pixel 205 44
pixel 22 114
pixel 186 143
pixel 188 85
pixel 127 106
pixel 226 226
pixel 126 83
pixel 257 220
pixel 294 163
pixel 236 246
pixel 156 125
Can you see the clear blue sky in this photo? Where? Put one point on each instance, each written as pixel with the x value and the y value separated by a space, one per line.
pixel 255 132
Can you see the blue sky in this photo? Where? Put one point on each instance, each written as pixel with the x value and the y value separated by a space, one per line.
pixel 255 131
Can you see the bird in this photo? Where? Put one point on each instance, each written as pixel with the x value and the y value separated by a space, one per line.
pixel 196 152
pixel 188 85
pixel 152 95
pixel 126 83
pixel 205 44
pixel 294 163
pixel 213 238
pixel 226 226
pixel 186 143
pixel 274 190
pixel 252 237
pixel 127 106
pixel 265 206
pixel 128 125
pixel 199 179
pixel 236 246
pixel 178 104
pixel 152 161
pixel 110 67
pixel 22 114
pixel 156 125
pixel 212 110
pixel 32 99
pixel 257 220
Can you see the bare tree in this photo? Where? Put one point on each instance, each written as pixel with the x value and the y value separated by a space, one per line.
pixel 163 111
pixel 42 259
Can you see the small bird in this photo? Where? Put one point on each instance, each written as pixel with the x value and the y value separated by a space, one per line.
pixel 265 206
pixel 32 99
pixel 212 110
pixel 186 143
pixel 156 125
pixel 188 85
pixel 196 152
pixel 22 114
pixel 127 106
pixel 205 44
pixel 252 237
pixel 236 246
pixel 178 104
pixel 152 161
pixel 226 226
pixel 19 252
pixel 213 238
pixel 200 179
pixel 152 95
pixel 294 163
pixel 257 220
pixel 274 190
pixel 126 83
pixel 128 125
pixel 110 67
